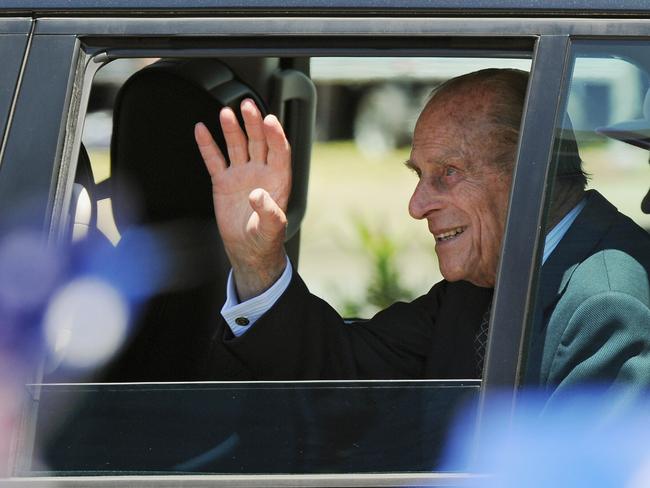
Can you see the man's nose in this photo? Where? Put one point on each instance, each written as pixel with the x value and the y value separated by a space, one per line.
pixel 424 200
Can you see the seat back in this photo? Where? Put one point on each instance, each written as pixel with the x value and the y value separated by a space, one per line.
pixel 162 205
pixel 161 193
pixel 157 173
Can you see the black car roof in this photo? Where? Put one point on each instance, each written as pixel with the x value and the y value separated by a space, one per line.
pixel 329 7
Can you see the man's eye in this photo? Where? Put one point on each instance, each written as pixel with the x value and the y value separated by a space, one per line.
pixel 450 171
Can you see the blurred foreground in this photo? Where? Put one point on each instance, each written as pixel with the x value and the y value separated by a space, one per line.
pixel 593 438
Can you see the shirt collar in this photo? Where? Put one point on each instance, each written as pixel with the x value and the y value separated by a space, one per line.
pixel 556 234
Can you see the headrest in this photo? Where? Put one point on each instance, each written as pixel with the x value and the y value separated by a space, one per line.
pixel 157 174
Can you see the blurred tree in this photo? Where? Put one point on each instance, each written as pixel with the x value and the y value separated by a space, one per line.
pixel 384 286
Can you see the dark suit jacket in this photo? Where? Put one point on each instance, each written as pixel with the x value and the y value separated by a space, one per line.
pixel 302 337
pixel 592 321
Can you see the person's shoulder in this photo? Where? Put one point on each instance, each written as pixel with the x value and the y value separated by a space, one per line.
pixel 629 236
pixel 457 287
pixel 611 270
pixel 458 293
pixel 619 261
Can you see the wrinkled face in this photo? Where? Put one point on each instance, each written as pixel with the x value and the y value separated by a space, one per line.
pixel 462 195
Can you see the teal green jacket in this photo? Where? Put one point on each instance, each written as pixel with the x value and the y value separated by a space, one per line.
pixel 592 319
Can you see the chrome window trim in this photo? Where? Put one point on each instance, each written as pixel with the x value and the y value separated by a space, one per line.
pixel 336 26
pixel 19 32
pixel 554 8
pixel 251 481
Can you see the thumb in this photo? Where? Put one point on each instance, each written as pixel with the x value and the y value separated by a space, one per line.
pixel 272 220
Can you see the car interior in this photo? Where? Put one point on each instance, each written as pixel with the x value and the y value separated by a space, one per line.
pixel 170 264
pixel 159 188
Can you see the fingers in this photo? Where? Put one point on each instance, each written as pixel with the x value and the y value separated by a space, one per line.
pixel 236 141
pixel 254 129
pixel 263 141
pixel 210 152
pixel 279 151
pixel 272 220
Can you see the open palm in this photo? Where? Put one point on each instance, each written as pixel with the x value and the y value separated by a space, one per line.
pixel 250 196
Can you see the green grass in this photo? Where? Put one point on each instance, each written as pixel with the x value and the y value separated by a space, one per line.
pixel 346 187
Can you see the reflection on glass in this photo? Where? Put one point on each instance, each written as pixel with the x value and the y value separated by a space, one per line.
pixel 305 427
pixel 592 315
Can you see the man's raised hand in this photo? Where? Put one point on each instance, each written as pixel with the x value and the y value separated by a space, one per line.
pixel 250 196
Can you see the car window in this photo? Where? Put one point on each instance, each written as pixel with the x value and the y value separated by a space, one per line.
pixel 123 389
pixel 300 428
pixel 590 322
pixel 366 113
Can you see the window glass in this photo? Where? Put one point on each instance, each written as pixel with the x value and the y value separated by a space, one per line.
pixel 136 379
pixel 592 310
pixel 244 428
pixel 359 257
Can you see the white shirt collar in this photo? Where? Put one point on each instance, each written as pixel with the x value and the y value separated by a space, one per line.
pixel 556 234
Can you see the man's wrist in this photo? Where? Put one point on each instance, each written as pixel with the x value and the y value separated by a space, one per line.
pixel 248 312
pixel 251 281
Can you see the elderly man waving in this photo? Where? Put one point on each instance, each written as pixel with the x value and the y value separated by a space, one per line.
pixel 463 154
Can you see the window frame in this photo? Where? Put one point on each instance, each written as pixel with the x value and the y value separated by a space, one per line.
pixel 14 37
pixel 15 34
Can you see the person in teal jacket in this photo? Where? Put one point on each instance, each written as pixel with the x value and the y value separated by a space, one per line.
pixel 593 311
pixel 593 308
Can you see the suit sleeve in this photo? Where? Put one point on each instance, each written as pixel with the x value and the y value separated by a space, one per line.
pixel 607 344
pixel 302 337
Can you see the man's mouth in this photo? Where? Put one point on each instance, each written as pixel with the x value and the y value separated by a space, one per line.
pixel 449 234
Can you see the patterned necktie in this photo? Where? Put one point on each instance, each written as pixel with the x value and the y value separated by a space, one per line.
pixel 480 341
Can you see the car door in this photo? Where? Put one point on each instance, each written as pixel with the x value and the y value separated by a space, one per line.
pixel 14 35
pixel 14 41
pixel 182 428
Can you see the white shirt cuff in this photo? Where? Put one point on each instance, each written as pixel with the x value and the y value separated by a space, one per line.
pixel 241 316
